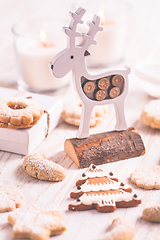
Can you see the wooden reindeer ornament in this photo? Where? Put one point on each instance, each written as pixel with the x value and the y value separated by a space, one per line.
pixel 108 87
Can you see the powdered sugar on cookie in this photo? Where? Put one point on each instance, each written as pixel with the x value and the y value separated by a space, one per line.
pixel 43 169
pixel 120 229
pixel 10 198
pixel 36 223
pixel 147 177
pixel 151 114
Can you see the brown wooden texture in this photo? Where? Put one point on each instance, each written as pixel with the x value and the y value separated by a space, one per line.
pixel 105 147
pixel 89 87
pixel 114 92
pixel 103 83
pixel 117 80
pixel 100 95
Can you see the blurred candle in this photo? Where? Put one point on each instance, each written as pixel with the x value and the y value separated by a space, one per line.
pixel 33 55
pixel 111 42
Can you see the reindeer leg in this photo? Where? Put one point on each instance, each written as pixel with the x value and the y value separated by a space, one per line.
pixel 83 131
pixel 120 116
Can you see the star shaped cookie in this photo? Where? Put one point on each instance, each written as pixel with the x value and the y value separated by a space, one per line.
pixel 35 223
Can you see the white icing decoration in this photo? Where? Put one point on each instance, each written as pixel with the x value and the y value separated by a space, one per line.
pixel 106 203
pixel 102 198
pixel 86 187
pixel 97 172
pixel 117 197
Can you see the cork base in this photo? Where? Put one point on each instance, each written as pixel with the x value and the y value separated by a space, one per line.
pixel 105 147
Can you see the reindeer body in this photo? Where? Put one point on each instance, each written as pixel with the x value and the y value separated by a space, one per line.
pixel 72 58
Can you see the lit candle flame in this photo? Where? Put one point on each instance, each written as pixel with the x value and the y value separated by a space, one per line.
pixel 104 20
pixel 43 38
pixel 101 15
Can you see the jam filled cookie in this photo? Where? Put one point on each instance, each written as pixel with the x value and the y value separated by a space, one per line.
pixel 18 112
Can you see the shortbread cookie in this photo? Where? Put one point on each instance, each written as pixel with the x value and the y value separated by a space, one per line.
pixel 120 230
pixel 152 214
pixel 151 114
pixel 35 223
pixel 16 112
pixel 147 177
pixel 72 113
pixel 102 193
pixel 10 198
pixel 39 167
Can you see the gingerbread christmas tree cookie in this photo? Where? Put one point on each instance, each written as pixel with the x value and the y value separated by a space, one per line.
pixel 103 191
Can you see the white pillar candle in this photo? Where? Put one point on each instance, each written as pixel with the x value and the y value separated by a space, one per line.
pixel 110 43
pixel 34 52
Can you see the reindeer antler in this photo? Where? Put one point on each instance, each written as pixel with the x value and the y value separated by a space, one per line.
pixel 71 31
pixel 94 27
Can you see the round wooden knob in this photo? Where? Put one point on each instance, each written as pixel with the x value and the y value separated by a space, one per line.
pixel 117 80
pixel 103 83
pixel 100 95
pixel 114 92
pixel 89 87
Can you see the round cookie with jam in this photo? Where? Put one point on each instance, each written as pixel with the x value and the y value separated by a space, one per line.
pixel 16 112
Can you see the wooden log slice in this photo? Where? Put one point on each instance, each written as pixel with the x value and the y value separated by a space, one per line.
pixel 103 83
pixel 114 92
pixel 117 80
pixel 89 87
pixel 105 147
pixel 100 95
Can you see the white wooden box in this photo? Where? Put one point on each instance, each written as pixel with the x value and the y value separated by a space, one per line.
pixel 24 141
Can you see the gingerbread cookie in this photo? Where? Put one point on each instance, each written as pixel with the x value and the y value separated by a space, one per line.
pixel 35 223
pixel 39 167
pixel 152 214
pixel 120 229
pixel 10 198
pixel 18 112
pixel 151 114
pixel 101 192
pixel 72 113
pixel 147 177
